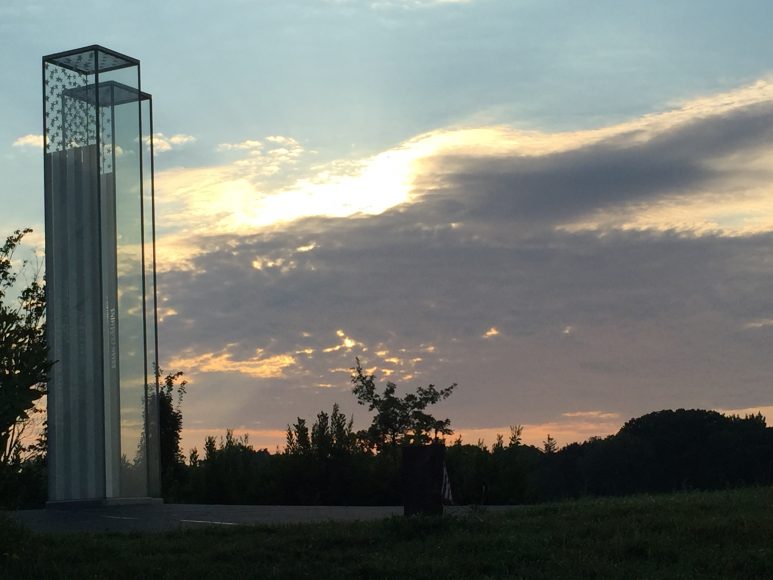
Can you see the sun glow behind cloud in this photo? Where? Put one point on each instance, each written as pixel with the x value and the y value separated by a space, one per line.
pixel 239 199
pixel 240 202
pixel 246 195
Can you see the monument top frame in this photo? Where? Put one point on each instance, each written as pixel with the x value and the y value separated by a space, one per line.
pixel 92 59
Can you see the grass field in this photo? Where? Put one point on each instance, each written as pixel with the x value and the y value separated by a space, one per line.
pixel 691 535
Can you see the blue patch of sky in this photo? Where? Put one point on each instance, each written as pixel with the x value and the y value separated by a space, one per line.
pixel 347 79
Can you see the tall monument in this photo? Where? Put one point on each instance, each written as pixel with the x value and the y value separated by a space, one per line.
pixel 100 278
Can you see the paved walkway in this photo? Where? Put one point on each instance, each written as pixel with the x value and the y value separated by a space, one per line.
pixel 163 517
pixel 154 518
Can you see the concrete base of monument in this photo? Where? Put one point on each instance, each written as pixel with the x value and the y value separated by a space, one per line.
pixel 77 504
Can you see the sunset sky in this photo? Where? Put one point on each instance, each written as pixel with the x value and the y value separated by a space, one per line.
pixel 564 207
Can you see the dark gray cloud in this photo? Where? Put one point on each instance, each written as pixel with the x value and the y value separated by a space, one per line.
pixel 615 298
pixel 626 168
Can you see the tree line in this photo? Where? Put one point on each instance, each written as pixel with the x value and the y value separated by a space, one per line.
pixel 684 449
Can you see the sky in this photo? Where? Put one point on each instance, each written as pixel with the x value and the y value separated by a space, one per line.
pixel 564 207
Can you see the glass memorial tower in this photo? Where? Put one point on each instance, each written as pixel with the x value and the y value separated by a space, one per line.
pixel 100 278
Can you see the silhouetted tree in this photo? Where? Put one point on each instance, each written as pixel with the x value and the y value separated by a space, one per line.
pixel 693 448
pixel 24 363
pixel 324 464
pixel 24 368
pixel 331 435
pixel 170 420
pixel 516 434
pixel 344 439
pixel 298 440
pixel 232 472
pixel 399 420
pixel 549 445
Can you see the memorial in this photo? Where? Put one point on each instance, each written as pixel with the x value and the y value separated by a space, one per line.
pixel 100 279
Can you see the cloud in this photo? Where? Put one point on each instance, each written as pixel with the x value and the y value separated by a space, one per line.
pixel 246 145
pixel 758 324
pixel 244 197
pixel 572 246
pixel 163 143
pixel 703 168
pixel 591 415
pixel 346 343
pixel 29 141
pixel 256 366
pixel 415 3
pixel 406 4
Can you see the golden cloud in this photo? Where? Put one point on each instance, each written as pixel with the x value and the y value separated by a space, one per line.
pixel 347 343
pixel 223 362
pixel 491 332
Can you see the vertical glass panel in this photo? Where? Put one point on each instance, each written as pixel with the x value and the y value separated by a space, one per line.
pixel 111 323
pixel 73 281
pixel 151 370
pixel 122 154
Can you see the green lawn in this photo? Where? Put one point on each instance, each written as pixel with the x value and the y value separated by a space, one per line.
pixel 692 535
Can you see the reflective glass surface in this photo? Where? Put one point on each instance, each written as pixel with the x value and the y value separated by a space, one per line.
pixel 123 155
pixel 100 272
